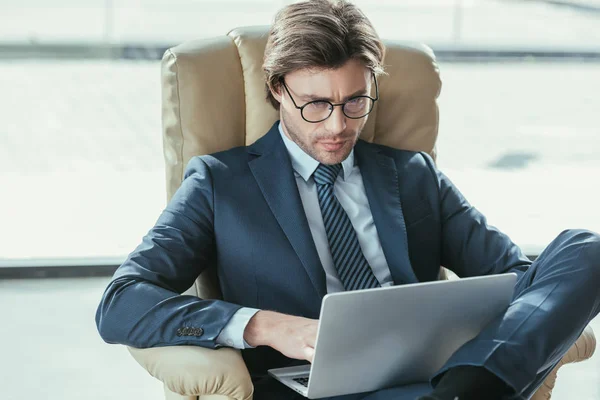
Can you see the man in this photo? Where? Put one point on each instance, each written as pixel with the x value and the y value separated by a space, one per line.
pixel 309 209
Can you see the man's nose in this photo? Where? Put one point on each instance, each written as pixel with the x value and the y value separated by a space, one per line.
pixel 336 123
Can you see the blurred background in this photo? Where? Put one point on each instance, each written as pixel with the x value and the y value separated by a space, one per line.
pixel 82 172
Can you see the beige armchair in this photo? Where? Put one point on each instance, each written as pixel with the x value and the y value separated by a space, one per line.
pixel 213 99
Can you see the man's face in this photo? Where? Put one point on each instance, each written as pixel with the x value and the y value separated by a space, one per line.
pixel 329 141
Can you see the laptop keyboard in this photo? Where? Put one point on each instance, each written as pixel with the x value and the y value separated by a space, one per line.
pixel 303 381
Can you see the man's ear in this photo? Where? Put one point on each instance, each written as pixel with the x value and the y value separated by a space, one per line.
pixel 276 91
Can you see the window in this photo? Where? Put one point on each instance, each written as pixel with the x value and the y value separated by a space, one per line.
pixel 81 155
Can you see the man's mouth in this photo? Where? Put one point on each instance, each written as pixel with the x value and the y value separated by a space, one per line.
pixel 332 146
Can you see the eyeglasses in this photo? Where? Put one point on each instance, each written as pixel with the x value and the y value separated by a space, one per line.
pixel 319 110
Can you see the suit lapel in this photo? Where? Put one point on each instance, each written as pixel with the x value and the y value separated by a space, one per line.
pixel 380 178
pixel 275 177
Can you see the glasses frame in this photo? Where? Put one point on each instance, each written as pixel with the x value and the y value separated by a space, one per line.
pixel 331 105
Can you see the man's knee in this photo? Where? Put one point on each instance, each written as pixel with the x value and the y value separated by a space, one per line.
pixel 579 235
pixel 590 247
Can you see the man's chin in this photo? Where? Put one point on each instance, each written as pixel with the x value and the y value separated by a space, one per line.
pixel 330 158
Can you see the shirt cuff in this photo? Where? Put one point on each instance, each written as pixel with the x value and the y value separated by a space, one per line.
pixel 233 333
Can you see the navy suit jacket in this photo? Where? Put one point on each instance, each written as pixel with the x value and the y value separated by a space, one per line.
pixel 240 210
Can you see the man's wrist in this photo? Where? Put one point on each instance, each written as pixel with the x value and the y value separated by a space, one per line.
pixel 259 329
pixel 232 334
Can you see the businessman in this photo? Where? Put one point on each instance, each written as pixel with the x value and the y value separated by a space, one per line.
pixel 310 209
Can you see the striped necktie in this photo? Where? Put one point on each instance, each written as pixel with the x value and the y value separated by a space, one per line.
pixel 352 267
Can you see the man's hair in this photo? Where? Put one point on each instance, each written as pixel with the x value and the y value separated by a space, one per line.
pixel 319 34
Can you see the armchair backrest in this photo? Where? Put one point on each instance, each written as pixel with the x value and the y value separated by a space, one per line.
pixel 213 99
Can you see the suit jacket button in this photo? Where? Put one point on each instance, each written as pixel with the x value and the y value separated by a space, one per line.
pixel 199 331
pixel 179 332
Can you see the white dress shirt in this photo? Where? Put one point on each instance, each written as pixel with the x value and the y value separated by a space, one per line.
pixel 350 192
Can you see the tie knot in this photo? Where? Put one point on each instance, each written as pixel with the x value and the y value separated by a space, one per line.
pixel 326 174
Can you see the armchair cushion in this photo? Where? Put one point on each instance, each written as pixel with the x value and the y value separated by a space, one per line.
pixel 197 371
pixel 213 98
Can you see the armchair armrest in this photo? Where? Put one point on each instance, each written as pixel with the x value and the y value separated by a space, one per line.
pixel 581 350
pixel 197 371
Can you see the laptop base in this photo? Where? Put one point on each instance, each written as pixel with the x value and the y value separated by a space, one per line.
pixel 288 374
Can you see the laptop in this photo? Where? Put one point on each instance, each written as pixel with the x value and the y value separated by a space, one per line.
pixel 378 338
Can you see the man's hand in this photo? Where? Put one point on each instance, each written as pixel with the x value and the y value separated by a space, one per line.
pixel 292 336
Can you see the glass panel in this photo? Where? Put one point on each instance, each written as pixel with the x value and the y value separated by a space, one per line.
pixel 80 143
pixel 521 141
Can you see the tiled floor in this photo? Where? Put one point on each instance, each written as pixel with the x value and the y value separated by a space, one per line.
pixel 51 349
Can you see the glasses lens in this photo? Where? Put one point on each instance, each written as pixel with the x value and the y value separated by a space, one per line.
pixel 316 111
pixel 358 107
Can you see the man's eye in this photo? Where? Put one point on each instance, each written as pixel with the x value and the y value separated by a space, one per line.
pixel 319 105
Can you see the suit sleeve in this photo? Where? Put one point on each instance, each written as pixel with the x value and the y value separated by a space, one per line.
pixel 469 245
pixel 142 306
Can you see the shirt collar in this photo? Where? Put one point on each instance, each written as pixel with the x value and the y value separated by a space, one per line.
pixel 305 165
